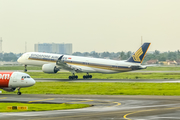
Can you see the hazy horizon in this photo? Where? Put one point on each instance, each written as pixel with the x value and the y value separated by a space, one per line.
pixel 91 25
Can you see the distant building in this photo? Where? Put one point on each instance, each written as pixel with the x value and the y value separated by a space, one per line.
pixel 152 62
pixel 54 48
pixel 178 62
pixel 171 62
pixel 168 62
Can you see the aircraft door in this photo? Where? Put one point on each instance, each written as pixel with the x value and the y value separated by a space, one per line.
pixel 14 78
pixel 87 62
pixel 117 66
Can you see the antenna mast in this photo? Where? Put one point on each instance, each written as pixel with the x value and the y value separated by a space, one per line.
pixel 1 44
pixel 25 47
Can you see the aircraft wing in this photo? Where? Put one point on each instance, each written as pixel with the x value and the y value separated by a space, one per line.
pixel 61 64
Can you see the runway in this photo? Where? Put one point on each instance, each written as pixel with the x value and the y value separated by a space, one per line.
pixel 109 80
pixel 105 107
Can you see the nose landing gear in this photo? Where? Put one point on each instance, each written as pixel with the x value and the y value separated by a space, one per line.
pixel 19 93
pixel 25 68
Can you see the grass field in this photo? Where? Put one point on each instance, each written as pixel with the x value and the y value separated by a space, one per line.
pixel 19 68
pixel 126 75
pixel 107 88
pixel 40 107
pixel 163 68
pixel 103 88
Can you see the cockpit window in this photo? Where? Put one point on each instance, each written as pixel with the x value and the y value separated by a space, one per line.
pixel 25 77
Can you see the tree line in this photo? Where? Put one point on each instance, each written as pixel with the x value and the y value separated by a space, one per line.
pixel 10 57
pixel 155 55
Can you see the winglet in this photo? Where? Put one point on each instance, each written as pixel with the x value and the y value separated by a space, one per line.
pixel 139 55
pixel 59 60
pixel 60 57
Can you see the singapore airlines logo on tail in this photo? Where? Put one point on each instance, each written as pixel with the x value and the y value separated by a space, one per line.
pixel 136 56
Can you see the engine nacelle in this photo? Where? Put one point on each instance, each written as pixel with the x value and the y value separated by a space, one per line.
pixel 9 89
pixel 49 68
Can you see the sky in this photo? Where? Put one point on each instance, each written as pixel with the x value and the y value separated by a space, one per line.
pixel 90 25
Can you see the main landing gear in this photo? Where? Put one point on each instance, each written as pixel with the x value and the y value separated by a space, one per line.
pixel 73 77
pixel 87 76
pixel 19 93
pixel 25 68
pixel 76 77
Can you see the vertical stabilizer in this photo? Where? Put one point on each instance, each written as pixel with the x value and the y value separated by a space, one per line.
pixel 139 55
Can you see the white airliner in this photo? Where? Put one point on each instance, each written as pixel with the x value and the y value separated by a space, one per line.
pixel 52 63
pixel 10 81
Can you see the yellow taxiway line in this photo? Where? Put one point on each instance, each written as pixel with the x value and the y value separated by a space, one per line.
pixel 125 116
pixel 81 101
pixel 3 98
pixel 41 100
pixel 118 104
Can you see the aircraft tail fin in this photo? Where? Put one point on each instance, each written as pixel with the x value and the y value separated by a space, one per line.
pixel 139 55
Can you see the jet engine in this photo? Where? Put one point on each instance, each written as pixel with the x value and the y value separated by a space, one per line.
pixel 9 89
pixel 49 68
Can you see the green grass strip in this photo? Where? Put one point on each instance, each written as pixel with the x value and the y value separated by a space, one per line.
pixel 103 88
pixel 126 75
pixel 20 68
pixel 40 107
pixel 163 68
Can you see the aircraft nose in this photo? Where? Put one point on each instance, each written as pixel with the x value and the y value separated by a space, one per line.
pixel 19 59
pixel 31 82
